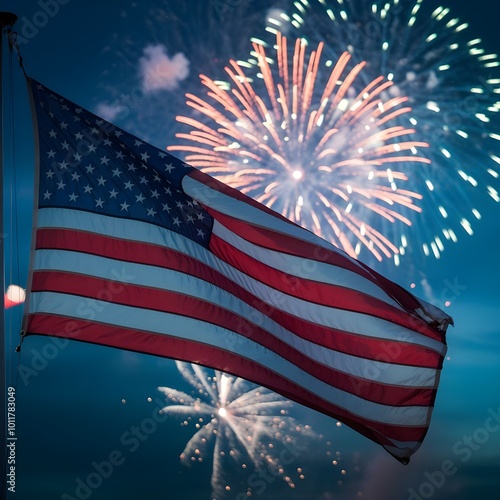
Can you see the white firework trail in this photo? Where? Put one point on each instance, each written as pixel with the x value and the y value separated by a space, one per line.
pixel 244 423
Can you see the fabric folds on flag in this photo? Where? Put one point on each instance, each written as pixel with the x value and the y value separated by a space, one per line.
pixel 136 250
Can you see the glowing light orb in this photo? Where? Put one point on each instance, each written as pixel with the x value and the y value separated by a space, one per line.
pixel 14 296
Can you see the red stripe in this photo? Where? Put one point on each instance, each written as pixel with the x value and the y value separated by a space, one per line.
pixel 171 302
pixel 207 355
pixel 388 351
pixel 289 245
pixel 338 297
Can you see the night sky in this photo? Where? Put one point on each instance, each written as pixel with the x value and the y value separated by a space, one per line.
pixel 78 404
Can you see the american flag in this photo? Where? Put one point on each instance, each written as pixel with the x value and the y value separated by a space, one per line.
pixel 136 250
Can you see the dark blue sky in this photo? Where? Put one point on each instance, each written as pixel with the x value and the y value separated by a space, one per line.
pixel 70 413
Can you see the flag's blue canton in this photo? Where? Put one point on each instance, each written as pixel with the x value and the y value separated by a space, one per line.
pixel 87 163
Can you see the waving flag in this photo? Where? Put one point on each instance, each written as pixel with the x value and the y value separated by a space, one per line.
pixel 136 250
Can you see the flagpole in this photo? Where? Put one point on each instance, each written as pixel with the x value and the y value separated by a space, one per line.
pixel 6 19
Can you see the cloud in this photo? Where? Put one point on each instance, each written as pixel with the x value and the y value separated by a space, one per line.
pixel 109 111
pixel 160 72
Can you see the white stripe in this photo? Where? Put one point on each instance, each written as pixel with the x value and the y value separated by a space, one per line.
pixel 348 321
pixel 304 268
pixel 159 278
pixel 207 333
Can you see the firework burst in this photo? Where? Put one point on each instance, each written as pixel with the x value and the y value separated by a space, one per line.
pixel 243 423
pixel 452 84
pixel 314 145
